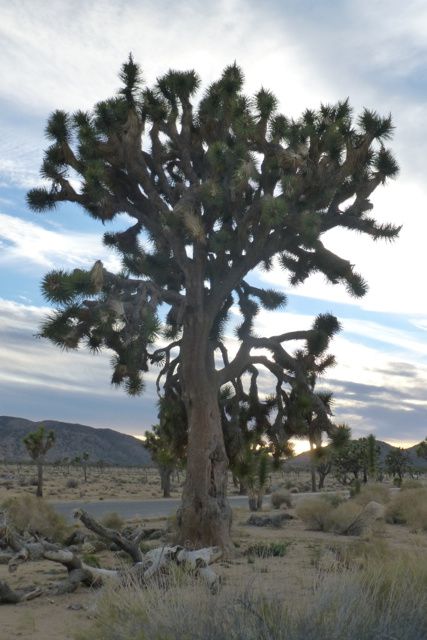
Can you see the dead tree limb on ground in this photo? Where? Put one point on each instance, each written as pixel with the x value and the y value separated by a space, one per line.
pixel 144 566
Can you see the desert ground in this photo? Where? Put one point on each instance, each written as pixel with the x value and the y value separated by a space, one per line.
pixel 305 555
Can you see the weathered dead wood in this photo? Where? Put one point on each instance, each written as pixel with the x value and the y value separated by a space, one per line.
pixel 145 566
pixel 131 547
pixel 8 596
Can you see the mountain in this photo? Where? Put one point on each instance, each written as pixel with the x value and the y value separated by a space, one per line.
pixel 72 440
pixel 303 459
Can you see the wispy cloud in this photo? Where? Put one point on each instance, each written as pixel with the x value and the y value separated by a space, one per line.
pixel 38 380
pixel 27 245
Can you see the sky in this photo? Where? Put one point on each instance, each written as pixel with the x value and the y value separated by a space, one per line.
pixel 66 55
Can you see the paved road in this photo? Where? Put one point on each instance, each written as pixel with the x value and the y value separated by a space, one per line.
pixel 131 508
pixel 150 508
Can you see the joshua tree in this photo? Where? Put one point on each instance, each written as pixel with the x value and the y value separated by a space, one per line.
pixel 324 457
pixel 83 462
pixel 397 463
pixel 38 444
pixel 163 455
pixel 168 440
pixel 215 188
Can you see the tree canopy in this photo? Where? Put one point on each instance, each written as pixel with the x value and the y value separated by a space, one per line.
pixel 215 187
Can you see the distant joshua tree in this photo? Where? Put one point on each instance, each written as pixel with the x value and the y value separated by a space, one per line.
pixel 38 444
pixel 397 463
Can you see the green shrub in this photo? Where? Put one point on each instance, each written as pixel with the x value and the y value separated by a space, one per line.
pixel 268 549
pixel 281 497
pixel 91 560
pixel 112 520
pixel 27 513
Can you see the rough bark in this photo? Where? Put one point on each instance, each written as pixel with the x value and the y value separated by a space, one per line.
pixel 165 479
pixel 131 547
pixel 313 467
pixel 39 491
pixel 204 517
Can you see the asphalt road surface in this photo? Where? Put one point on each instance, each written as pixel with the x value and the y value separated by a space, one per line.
pixel 131 508
pixel 153 508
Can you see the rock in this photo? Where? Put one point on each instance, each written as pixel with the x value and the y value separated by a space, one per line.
pixel 275 520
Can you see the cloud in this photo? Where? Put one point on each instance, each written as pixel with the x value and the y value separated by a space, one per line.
pixel 38 381
pixel 26 245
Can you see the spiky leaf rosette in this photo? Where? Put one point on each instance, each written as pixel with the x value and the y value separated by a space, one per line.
pixel 215 187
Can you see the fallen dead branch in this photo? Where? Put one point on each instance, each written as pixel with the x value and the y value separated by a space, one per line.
pixel 144 566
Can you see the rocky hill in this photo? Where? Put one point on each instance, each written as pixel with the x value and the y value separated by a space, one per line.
pixel 303 459
pixel 72 440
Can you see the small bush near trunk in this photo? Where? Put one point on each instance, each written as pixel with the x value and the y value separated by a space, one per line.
pixel 278 498
pixel 268 549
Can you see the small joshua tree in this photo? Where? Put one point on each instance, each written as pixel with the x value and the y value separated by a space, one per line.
pixel 38 444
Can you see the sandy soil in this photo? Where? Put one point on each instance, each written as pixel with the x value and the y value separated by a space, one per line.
pixel 290 577
pixel 67 483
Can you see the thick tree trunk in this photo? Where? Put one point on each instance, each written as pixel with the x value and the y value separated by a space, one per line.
pixel 204 518
pixel 39 491
pixel 165 481
pixel 312 467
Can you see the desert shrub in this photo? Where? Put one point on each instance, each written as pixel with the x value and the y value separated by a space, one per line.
pixel 281 497
pixel 411 484
pixel 334 499
pixel 347 518
pixel 409 507
pixel 359 553
pixel 385 599
pixel 28 513
pixel 91 560
pixel 315 513
pixel 112 520
pixel 373 492
pixel 268 549
pixel 72 484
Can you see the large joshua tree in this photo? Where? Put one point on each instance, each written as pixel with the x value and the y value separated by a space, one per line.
pixel 215 188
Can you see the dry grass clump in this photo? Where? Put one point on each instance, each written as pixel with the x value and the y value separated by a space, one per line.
pixel 409 507
pixel 316 513
pixel 345 518
pixel 410 483
pixel 278 498
pixel 373 492
pixel 30 514
pixel 112 520
pixel 385 599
